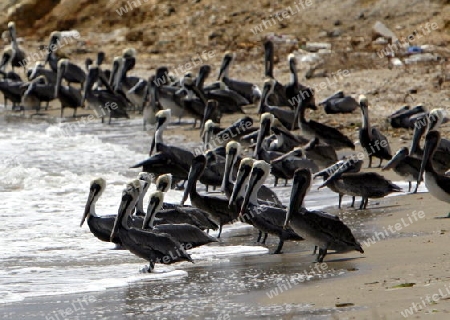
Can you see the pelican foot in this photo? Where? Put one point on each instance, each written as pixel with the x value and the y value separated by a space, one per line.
pixel 146 269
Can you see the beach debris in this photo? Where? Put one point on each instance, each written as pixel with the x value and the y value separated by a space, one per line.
pixel 344 304
pixel 404 285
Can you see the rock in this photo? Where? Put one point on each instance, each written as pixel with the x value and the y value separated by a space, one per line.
pixel 380 41
pixel 421 57
pixel 379 29
pixel 335 33
pixel 316 46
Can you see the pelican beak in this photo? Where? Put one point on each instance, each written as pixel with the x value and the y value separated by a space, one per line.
pixel 264 130
pixel 124 204
pixel 243 173
pixel 396 159
pixel 225 65
pixel 248 193
pixel 268 59
pixel 229 160
pixel 300 185
pixel 197 167
pixel 432 140
pixel 87 209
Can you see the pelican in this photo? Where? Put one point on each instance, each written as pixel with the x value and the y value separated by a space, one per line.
pixel 146 179
pixel 311 128
pixel 216 206
pixel 101 226
pixel 279 96
pixel 39 70
pixel 151 246
pixel 295 92
pixel 350 165
pixel 18 59
pixel 39 90
pixel 323 229
pixel 406 117
pixel 372 140
pixel 67 95
pixel 283 115
pixel 12 90
pixel 265 194
pixel 323 155
pixel 437 184
pixel 186 234
pixel 339 103
pixel 440 160
pixel 229 101
pixel 405 166
pixel 364 184
pixel 245 89
pixel 73 72
pixel 266 219
pixel 104 102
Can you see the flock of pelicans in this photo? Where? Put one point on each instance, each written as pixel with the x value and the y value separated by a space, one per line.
pixel 164 231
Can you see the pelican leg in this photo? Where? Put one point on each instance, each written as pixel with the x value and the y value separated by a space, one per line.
pixel 340 200
pixel 276 182
pixel 321 255
pixel 259 236
pixel 265 238
pixel 409 186
pixel 207 187
pixel 417 186
pixel 353 202
pixel 361 205
pixel 214 188
pixel 280 246
pixel 381 160
pixel 315 250
pixel 370 162
pixel 109 122
pixel 74 113
pixel 47 105
pixel 220 231
pixel 366 201
pixel 285 182
pixel 62 111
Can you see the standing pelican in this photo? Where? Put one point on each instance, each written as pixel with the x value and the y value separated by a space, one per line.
pixel 73 72
pixel 244 88
pixel 67 95
pixel 437 184
pixel 312 128
pixel 373 142
pixel 405 166
pixel 216 206
pixel 186 234
pixel 364 184
pixel 279 97
pixel 151 246
pixel 323 229
pixel 105 102
pixel 18 59
pixel 266 219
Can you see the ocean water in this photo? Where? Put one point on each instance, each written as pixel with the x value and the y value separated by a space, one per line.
pixel 45 170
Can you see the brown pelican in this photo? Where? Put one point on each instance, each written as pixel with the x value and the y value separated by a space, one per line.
pixel 325 133
pixel 295 159
pixel 323 229
pixel 216 206
pixel 323 155
pixel 12 90
pixel 39 70
pixel 39 90
pixel 350 165
pixel 339 103
pixel 67 95
pixel 440 160
pixel 364 184
pixel 214 136
pixel 18 59
pixel 265 194
pixel 373 142
pixel 187 234
pixel 279 96
pixel 283 115
pixel 146 179
pixel 266 219
pixel 101 226
pixel 437 184
pixel 151 246
pixel 406 117
pixel 295 92
pixel 245 89
pixel 405 166
pixel 229 101
pixel 105 102
pixel 73 72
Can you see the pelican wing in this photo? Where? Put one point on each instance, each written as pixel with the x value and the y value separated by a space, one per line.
pixel 185 233
pixel 330 135
pixel 377 135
